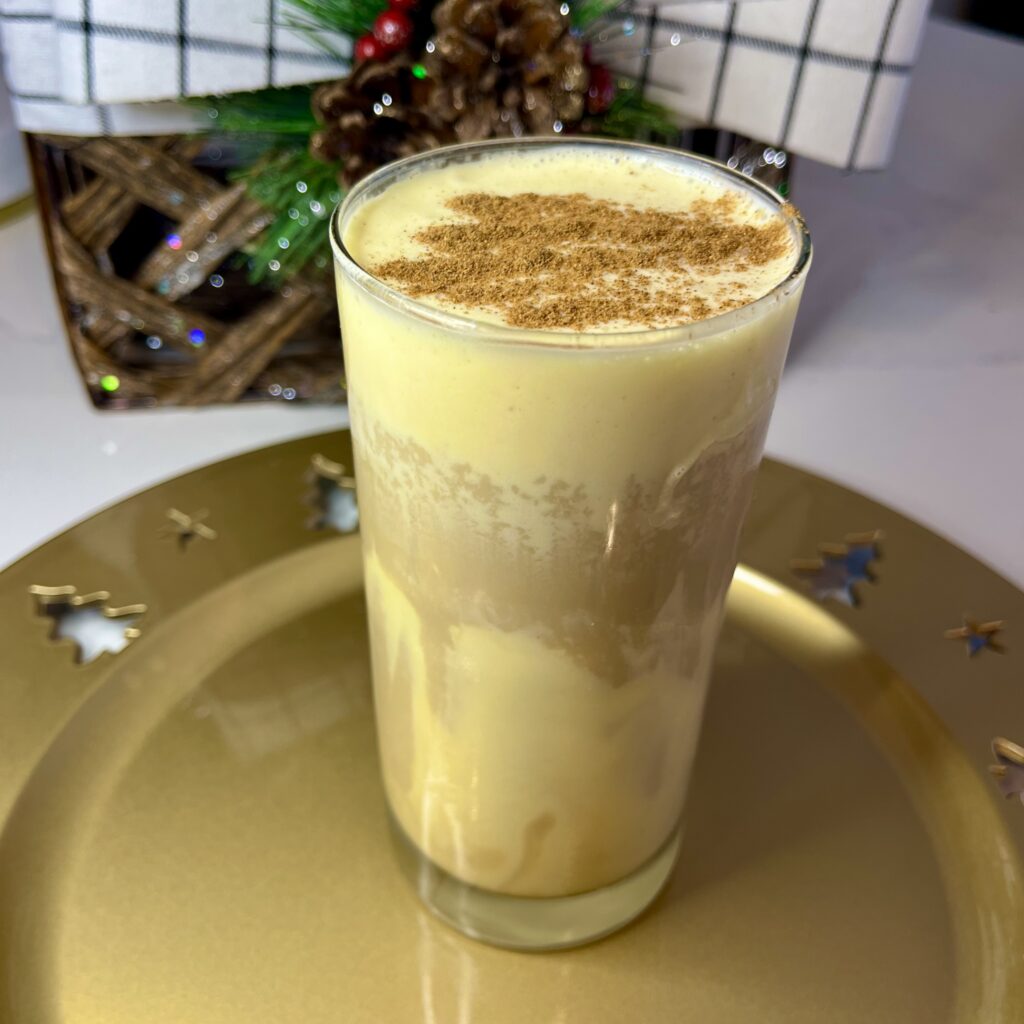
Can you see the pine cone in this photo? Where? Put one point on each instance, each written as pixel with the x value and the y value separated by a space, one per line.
pixel 379 113
pixel 505 67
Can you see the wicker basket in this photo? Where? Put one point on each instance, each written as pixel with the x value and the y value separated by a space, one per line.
pixel 147 240
pixel 145 237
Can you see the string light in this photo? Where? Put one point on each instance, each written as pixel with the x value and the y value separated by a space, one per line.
pixel 110 383
pixel 197 336
pixel 174 242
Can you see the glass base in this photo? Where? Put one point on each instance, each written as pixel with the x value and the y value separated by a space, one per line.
pixel 529 923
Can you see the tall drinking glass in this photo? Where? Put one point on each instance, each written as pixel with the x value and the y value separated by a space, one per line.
pixel 549 527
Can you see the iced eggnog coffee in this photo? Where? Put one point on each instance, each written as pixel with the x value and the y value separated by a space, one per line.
pixel 561 359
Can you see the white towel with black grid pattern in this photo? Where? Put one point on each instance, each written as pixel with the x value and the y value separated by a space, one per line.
pixel 823 78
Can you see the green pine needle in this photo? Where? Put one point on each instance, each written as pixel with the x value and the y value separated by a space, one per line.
pixel 585 12
pixel 268 112
pixel 348 17
pixel 302 192
pixel 631 116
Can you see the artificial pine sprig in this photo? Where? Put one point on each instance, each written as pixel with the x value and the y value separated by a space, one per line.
pixel 270 112
pixel 632 116
pixel 303 192
pixel 585 12
pixel 313 18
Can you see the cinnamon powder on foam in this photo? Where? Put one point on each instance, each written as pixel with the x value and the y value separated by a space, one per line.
pixel 573 263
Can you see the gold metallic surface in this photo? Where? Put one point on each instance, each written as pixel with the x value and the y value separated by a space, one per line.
pixel 195 831
pixel 983 635
pixel 53 601
pixel 1012 752
pixel 185 528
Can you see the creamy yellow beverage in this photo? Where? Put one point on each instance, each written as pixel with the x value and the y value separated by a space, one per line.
pixel 560 377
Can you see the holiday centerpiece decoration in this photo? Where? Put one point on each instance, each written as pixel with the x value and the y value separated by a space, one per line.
pixel 187 156
pixel 426 74
pixel 196 268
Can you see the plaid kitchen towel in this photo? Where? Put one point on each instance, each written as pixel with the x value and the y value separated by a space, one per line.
pixel 90 67
pixel 824 78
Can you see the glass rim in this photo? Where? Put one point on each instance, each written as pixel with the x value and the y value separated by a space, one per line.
pixel 488 332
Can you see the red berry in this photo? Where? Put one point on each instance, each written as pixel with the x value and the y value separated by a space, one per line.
pixel 367 48
pixel 403 5
pixel 601 91
pixel 392 30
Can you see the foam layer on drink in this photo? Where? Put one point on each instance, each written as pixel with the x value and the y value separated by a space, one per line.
pixel 548 532
pixel 569 241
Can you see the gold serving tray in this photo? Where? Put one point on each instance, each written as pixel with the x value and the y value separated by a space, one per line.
pixel 194 831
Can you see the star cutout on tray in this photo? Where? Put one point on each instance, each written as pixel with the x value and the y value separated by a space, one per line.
pixel 185 528
pixel 1009 769
pixel 978 636
pixel 840 567
pixel 332 496
pixel 88 620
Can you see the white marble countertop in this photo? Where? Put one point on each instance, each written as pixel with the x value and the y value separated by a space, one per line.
pixel 905 381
